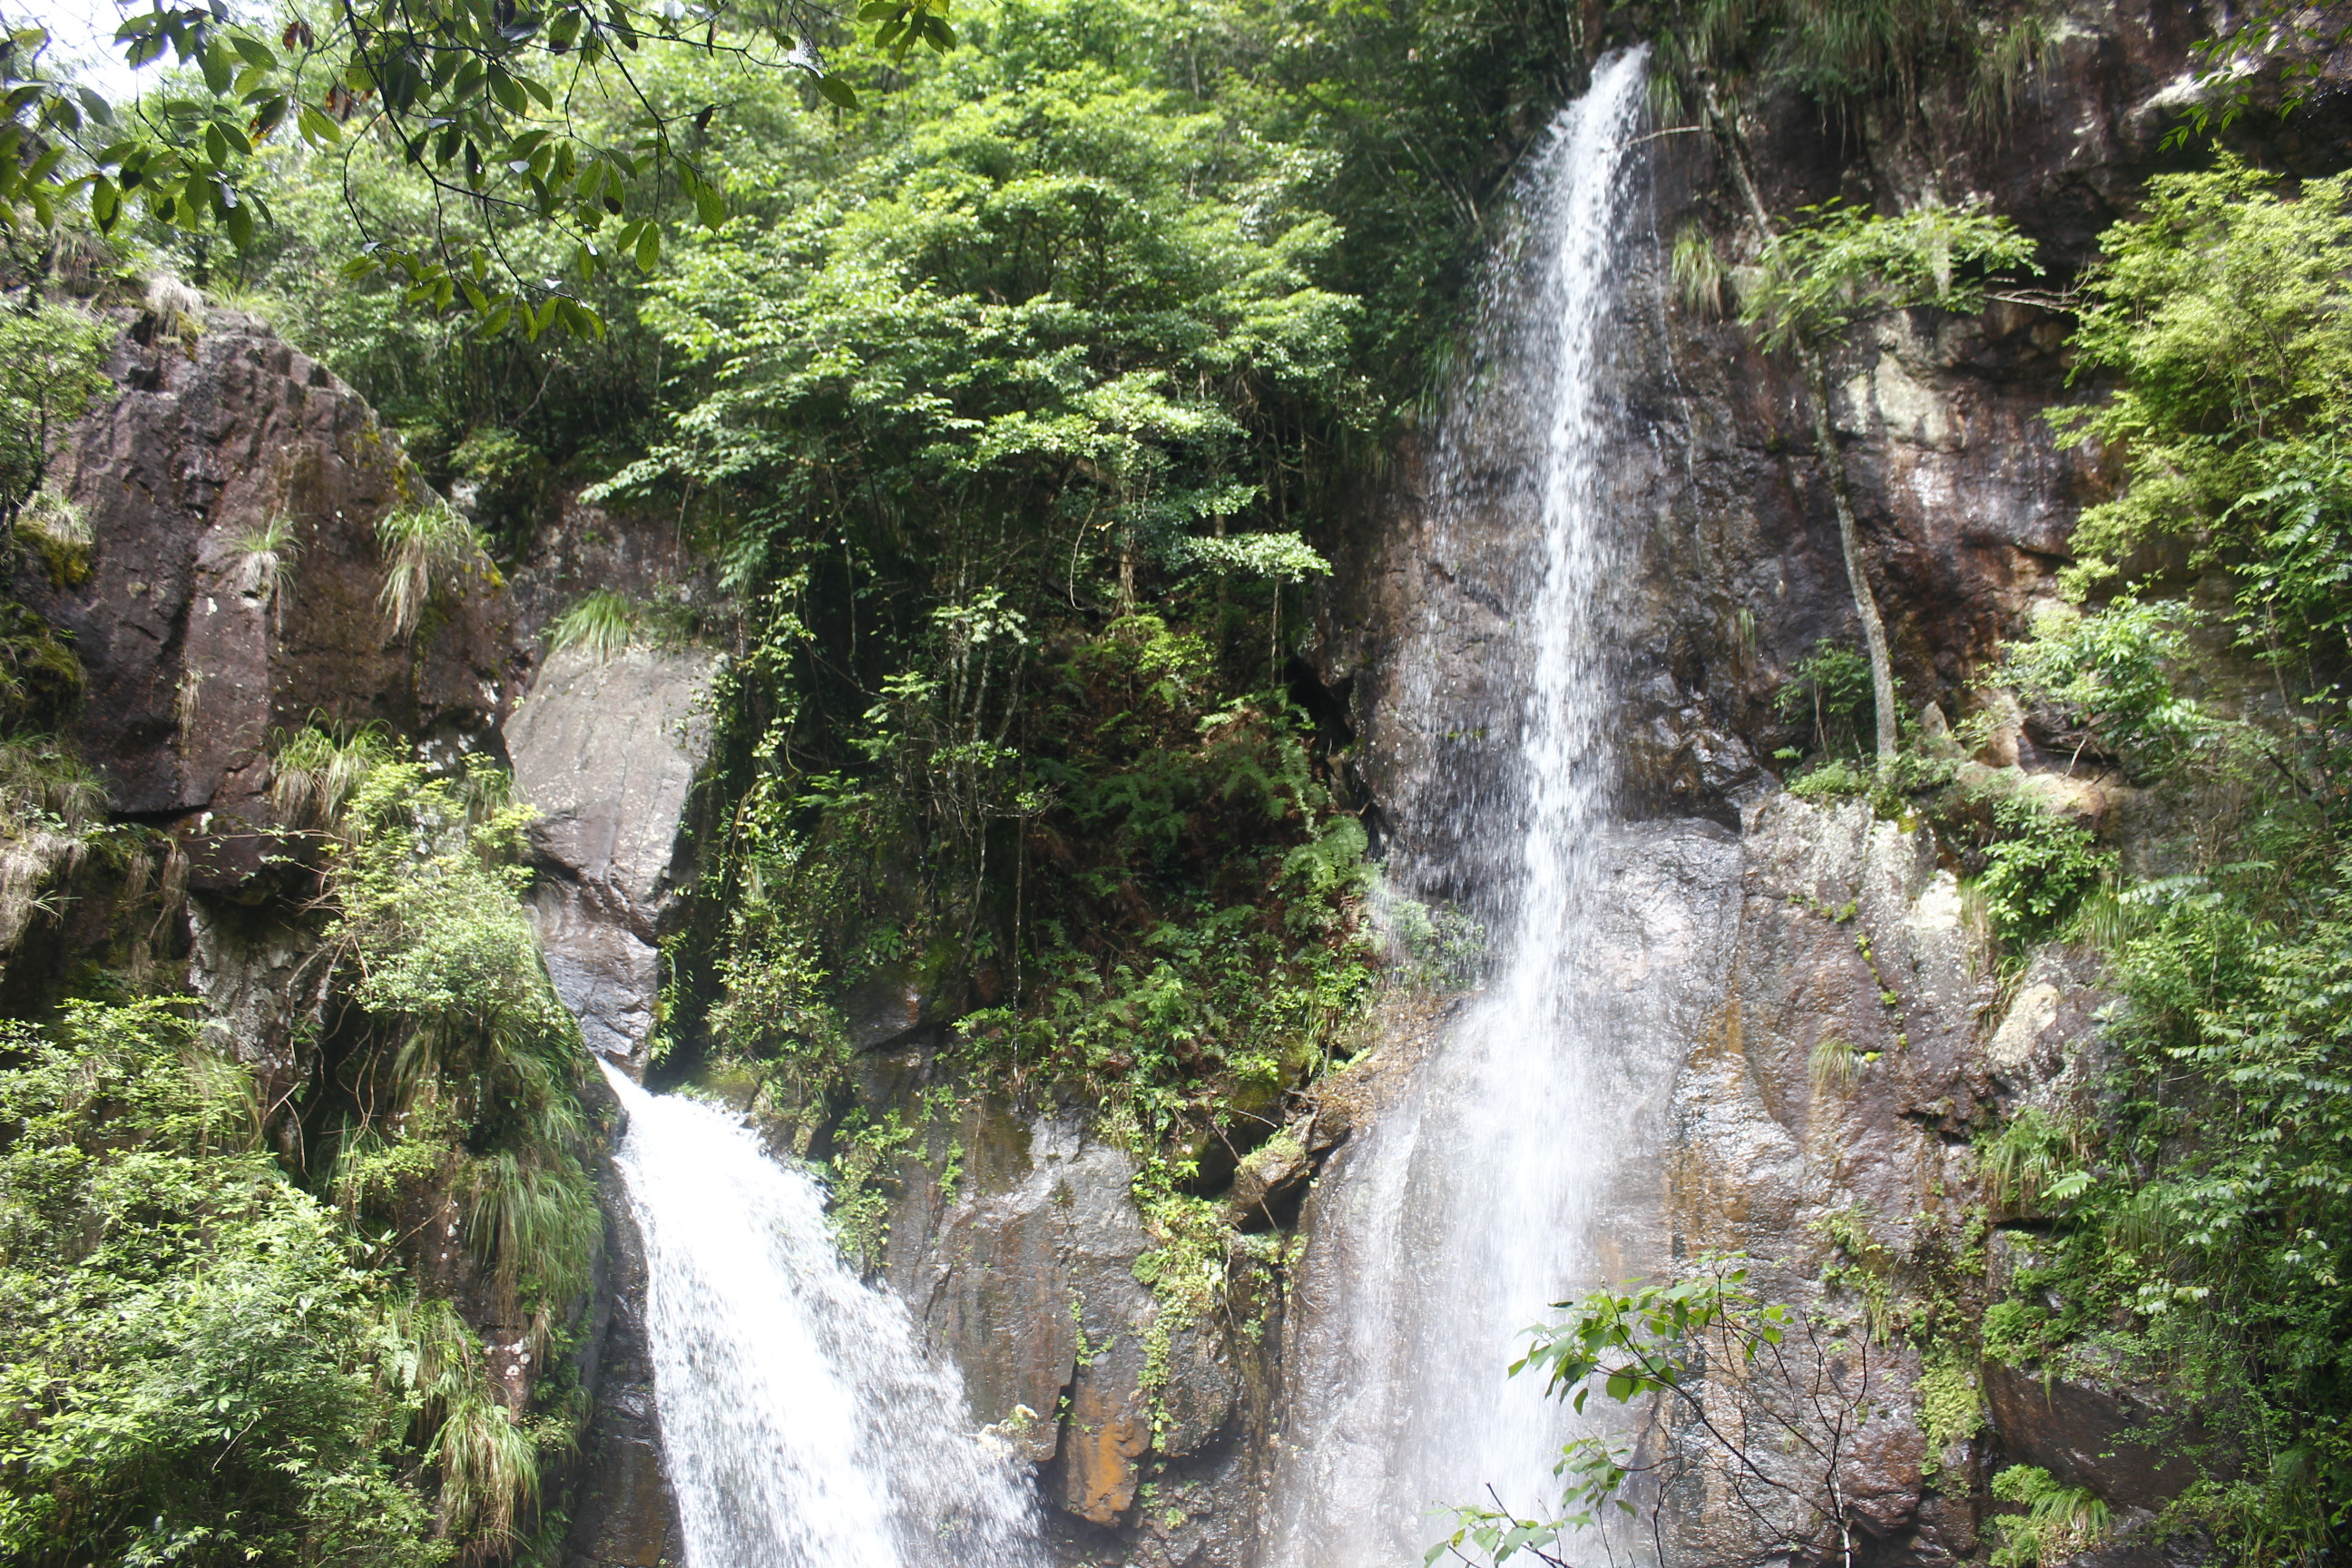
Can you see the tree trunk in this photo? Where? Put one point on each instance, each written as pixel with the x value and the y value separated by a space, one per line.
pixel 1825 446
pixel 1865 604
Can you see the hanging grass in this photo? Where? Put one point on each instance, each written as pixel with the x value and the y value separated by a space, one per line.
pixel 601 625
pixel 487 1463
pixel 424 549
pixel 315 771
pixel 263 556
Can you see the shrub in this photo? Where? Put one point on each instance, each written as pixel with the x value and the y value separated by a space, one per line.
pixel 2037 869
pixel 194 1361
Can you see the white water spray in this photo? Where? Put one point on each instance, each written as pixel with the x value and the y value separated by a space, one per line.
pixel 1469 1208
pixel 802 1425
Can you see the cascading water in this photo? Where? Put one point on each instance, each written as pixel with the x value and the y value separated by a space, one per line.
pixel 802 1425
pixel 1469 1206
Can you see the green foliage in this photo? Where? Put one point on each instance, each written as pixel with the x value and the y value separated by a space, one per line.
pixel 2108 671
pixel 52 364
pixel 264 556
pixel 1836 779
pixel 2221 310
pixel 1699 276
pixel 1279 555
pixel 2059 1521
pixel 315 771
pixel 2188 1237
pixel 2038 869
pixel 1833 1065
pixel 1831 686
pixel 1951 1406
pixel 467 1031
pixel 40 679
pixel 516 122
pixel 198 1364
pixel 2270 41
pixel 426 550
pixel 605 623
pixel 1803 1383
pixel 1436 948
pixel 1837 51
pixel 601 625
pixel 2035 1159
pixel 1839 265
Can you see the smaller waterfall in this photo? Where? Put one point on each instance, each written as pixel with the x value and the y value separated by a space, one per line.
pixel 801 1423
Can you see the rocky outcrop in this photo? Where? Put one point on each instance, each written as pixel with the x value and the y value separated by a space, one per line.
pixel 198 652
pixel 232 492
pixel 623 1515
pixel 1821 1127
pixel 607 749
pixel 1823 1111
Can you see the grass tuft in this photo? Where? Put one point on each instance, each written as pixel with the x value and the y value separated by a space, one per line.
pixel 424 548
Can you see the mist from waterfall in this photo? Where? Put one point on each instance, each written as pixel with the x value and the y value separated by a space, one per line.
pixel 1469 1208
pixel 802 1425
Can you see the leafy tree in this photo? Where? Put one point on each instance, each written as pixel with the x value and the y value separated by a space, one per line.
pixel 2192 1230
pixel 52 364
pixel 2269 42
pixel 2222 310
pixel 198 1365
pixel 495 107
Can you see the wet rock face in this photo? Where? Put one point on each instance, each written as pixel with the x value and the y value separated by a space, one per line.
pixel 1023 1273
pixel 194 662
pixel 608 751
pixel 1733 572
pixel 624 1516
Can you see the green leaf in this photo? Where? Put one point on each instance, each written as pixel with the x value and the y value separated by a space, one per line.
pixel 649 248
pixel 836 92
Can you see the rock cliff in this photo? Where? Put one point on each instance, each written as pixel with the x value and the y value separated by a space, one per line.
pixel 227 596
pixel 226 445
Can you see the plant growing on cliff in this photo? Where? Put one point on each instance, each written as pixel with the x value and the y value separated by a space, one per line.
pixel 264 556
pixel 1838 266
pixel 1700 1344
pixel 2192 1235
pixel 447 972
pixel 2059 1521
pixel 602 625
pixel 426 550
pixel 52 366
pixel 198 1360
pixel 316 770
pixel 2223 312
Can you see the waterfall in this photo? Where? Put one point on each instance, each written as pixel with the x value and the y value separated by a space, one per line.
pixel 802 1425
pixel 1470 1206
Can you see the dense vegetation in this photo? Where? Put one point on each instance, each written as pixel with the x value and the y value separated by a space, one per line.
pixel 2176 1226
pixel 1010 398
pixel 1005 408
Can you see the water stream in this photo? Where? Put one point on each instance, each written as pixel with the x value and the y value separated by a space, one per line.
pixel 801 1423
pixel 1470 1206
